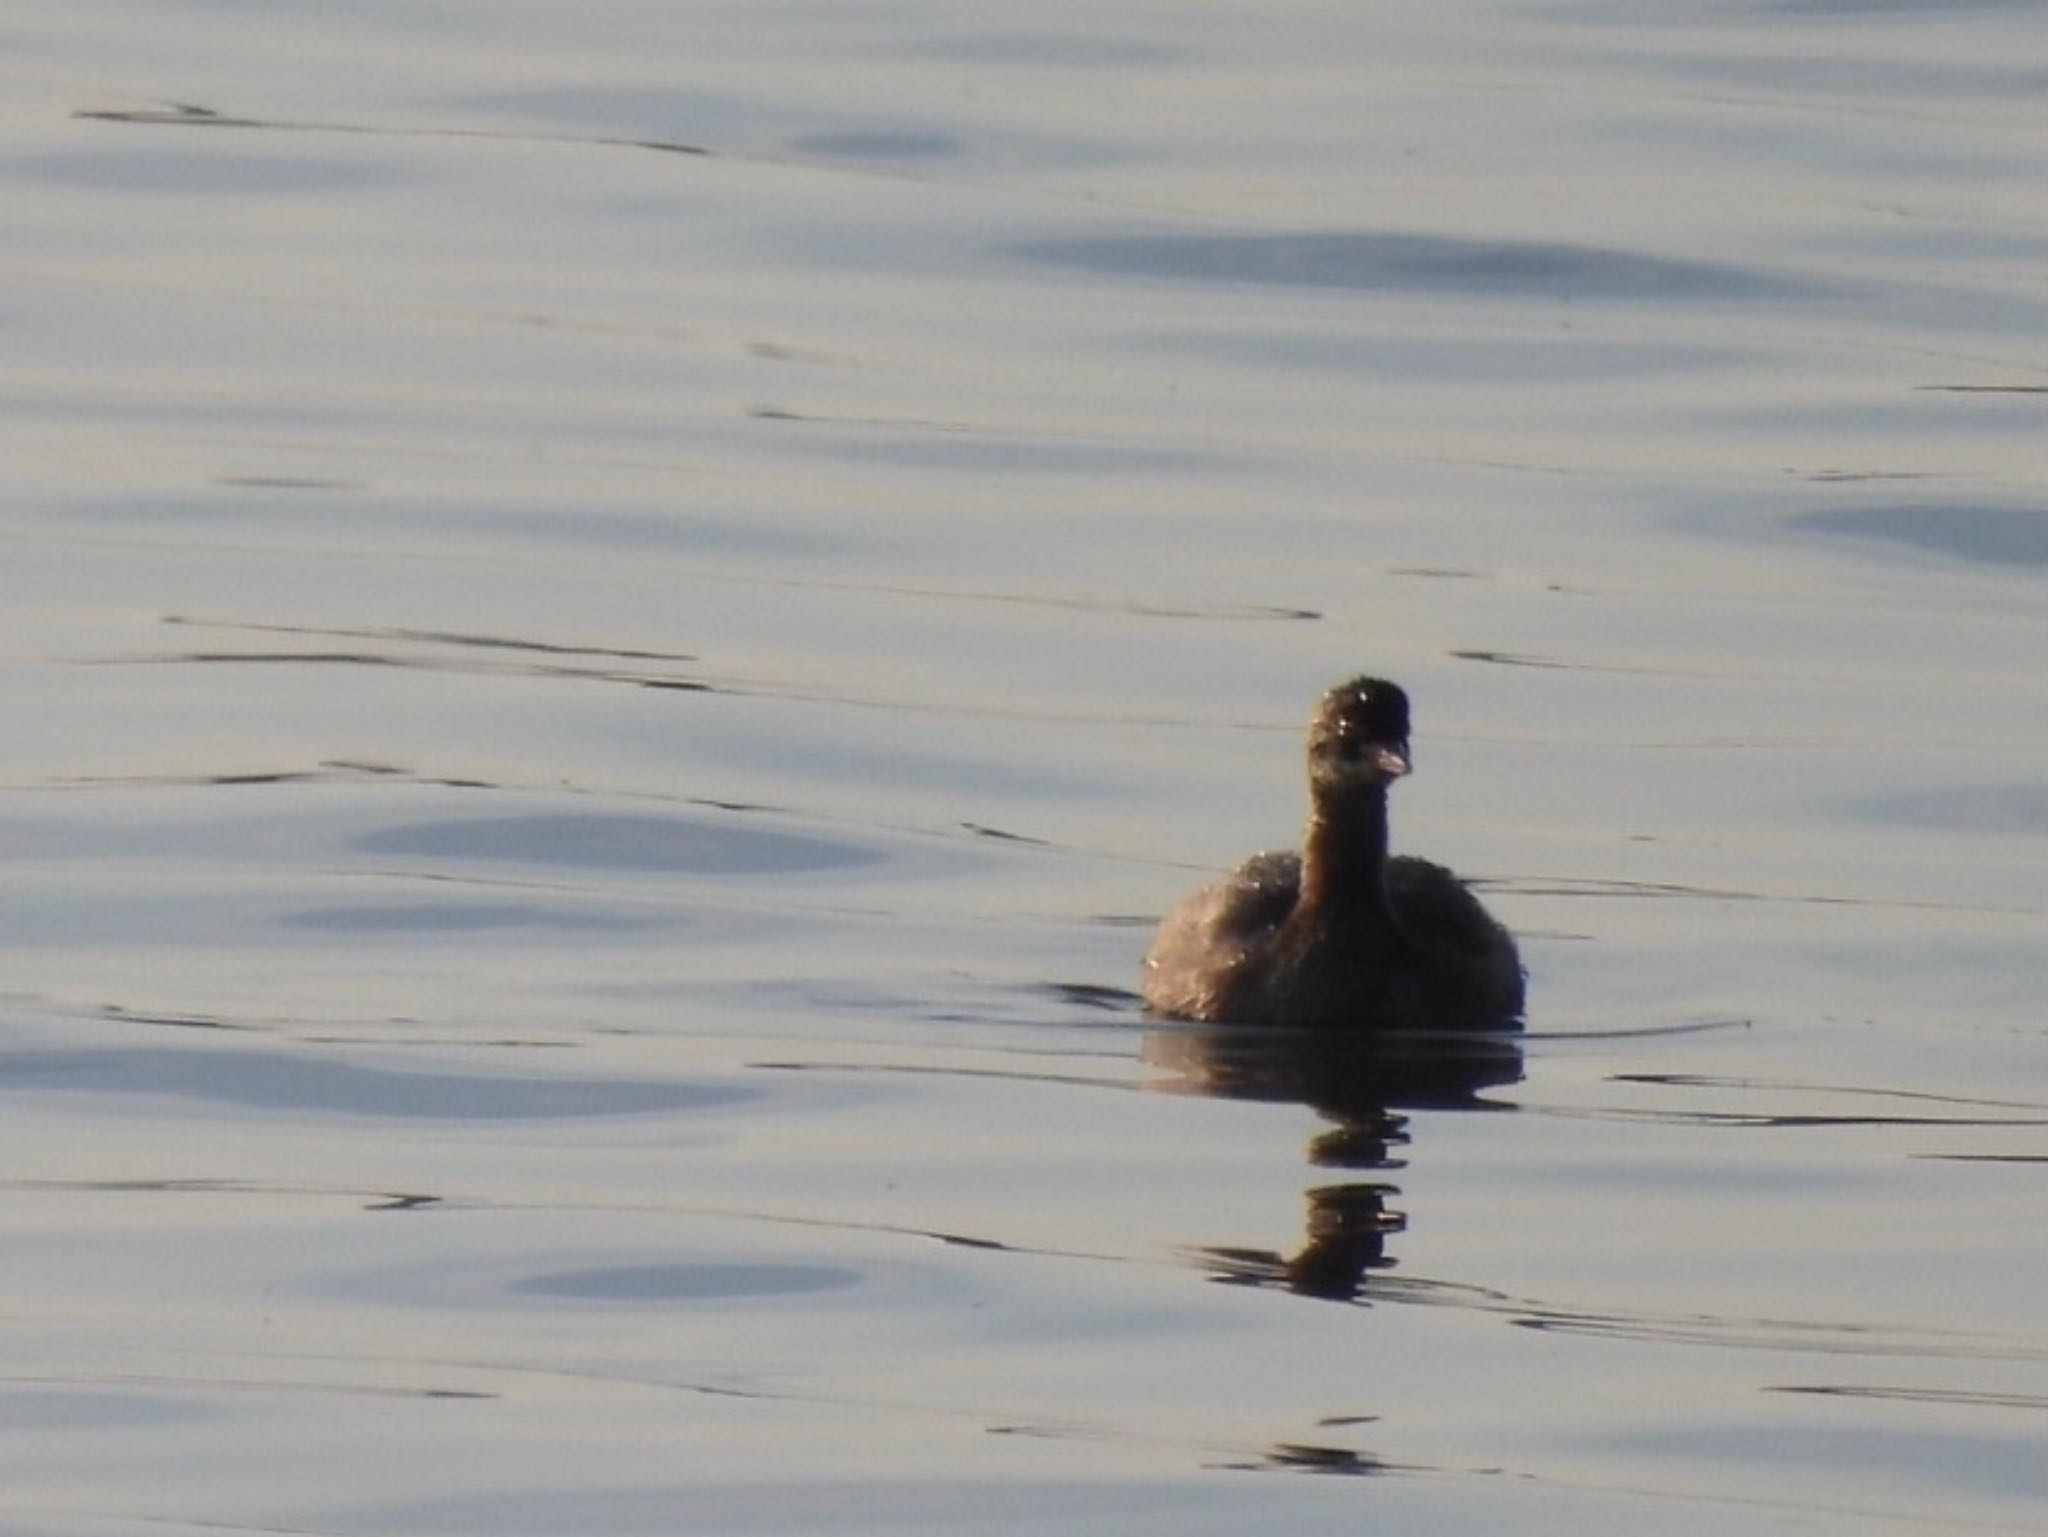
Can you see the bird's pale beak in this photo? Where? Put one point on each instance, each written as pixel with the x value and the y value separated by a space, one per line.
pixel 1391 758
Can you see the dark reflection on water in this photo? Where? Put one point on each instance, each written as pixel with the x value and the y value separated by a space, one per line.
pixel 179 174
pixel 1994 535
pixel 1307 1457
pixel 272 1081
pixel 1956 1459
pixel 1929 8
pixel 1299 1457
pixel 1415 263
pixel 92 1410
pixel 620 842
pixel 1359 1084
pixel 1343 1076
pixel 2002 809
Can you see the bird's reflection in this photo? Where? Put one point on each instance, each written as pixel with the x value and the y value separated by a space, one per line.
pixel 1361 1085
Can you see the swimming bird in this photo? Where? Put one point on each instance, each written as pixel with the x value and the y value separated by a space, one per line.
pixel 1340 935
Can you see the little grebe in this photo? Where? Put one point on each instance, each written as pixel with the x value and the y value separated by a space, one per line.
pixel 1340 935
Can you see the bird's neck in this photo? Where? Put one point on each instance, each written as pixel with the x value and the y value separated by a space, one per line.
pixel 1344 854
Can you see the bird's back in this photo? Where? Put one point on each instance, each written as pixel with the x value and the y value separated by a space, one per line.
pixel 1246 950
pixel 1200 960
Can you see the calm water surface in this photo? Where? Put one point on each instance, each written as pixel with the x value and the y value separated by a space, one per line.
pixel 617 619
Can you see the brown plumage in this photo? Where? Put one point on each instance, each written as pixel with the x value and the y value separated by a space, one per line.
pixel 1340 935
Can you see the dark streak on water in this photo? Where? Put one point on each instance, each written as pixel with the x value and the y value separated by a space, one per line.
pixel 276 1083
pixel 186 115
pixel 2009 810
pixel 1993 535
pixel 439 638
pixel 1419 263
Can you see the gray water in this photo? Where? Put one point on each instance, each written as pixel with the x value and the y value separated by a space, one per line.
pixel 619 618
